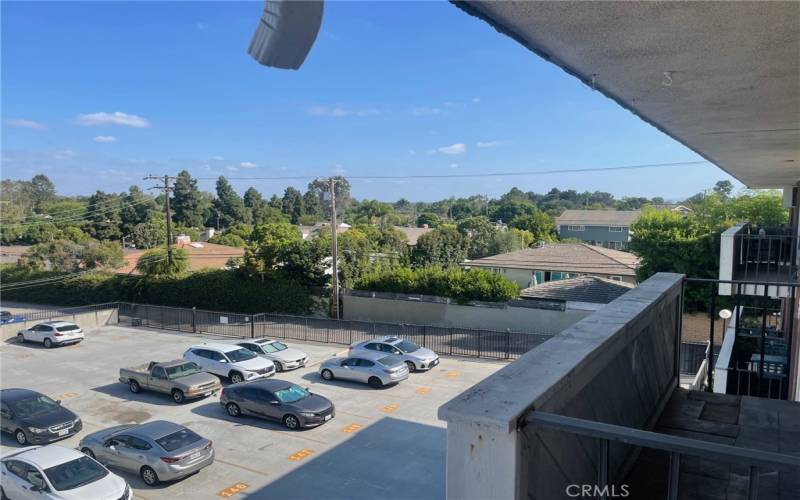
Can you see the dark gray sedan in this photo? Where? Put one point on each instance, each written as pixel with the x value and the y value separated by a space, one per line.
pixel 277 400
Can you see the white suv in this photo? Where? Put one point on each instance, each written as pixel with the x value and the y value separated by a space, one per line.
pixel 56 472
pixel 232 361
pixel 52 333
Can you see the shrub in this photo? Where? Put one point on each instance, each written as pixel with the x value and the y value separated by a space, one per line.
pixel 156 262
pixel 461 285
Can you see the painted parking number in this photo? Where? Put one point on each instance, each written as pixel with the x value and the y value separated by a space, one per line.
pixel 232 490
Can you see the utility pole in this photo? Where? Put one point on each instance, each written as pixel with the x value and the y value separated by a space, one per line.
pixel 166 188
pixel 335 256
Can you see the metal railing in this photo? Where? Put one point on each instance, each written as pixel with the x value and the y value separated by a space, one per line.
pixel 676 446
pixel 442 340
pixel 47 314
pixel 770 256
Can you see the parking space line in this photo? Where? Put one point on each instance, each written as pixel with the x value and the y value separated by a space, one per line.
pixel 67 395
pixel 390 408
pixel 248 469
pixel 232 490
pixel 453 374
pixel 300 455
pixel 423 390
pixel 352 428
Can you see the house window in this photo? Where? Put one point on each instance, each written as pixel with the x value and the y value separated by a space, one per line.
pixel 576 228
pixel 616 229
pixel 616 278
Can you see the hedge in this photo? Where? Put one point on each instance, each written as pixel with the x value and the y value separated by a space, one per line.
pixel 219 290
pixel 462 285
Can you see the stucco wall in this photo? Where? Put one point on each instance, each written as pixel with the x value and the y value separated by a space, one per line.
pixel 87 321
pixel 597 233
pixel 521 319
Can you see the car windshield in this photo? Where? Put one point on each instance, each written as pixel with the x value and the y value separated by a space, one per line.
pixel 391 361
pixel 68 328
pixel 274 347
pixel 240 355
pixel 75 473
pixel 176 440
pixel 36 405
pixel 292 394
pixel 406 346
pixel 182 370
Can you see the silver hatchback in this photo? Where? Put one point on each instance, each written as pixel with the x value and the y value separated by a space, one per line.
pixel 157 451
pixel 377 369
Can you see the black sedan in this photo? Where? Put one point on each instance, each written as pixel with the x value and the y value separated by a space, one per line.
pixel 34 418
pixel 277 400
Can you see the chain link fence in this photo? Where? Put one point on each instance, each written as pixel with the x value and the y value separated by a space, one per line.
pixel 442 340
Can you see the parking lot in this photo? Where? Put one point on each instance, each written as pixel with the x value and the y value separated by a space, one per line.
pixel 384 443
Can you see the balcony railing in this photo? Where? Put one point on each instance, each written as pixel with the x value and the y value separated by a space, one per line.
pixel 763 255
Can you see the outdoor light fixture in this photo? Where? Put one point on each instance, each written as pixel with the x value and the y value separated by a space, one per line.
pixel 286 32
pixel 725 313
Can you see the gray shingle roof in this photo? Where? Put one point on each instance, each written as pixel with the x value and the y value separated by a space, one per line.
pixel 582 289
pixel 413 233
pixel 598 217
pixel 565 257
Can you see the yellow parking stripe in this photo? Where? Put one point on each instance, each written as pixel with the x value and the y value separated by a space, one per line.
pixel 232 490
pixel 66 395
pixel 300 455
pixel 453 374
pixel 351 428
pixel 423 390
pixel 390 408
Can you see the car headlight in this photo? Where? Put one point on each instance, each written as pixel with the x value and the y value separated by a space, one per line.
pixel 127 493
pixel 37 430
pixel 307 413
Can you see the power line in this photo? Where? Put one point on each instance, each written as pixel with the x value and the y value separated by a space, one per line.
pixel 473 175
pixel 79 218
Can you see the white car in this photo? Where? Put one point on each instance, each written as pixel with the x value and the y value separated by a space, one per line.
pixel 55 472
pixel 284 357
pixel 232 361
pixel 52 333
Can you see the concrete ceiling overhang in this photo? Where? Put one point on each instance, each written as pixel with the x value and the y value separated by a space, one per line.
pixel 723 78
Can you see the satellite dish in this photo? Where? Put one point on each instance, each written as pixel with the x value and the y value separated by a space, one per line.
pixel 286 32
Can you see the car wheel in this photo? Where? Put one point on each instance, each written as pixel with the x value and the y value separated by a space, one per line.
pixel 21 438
pixel 134 387
pixel 87 452
pixel 278 367
pixel 149 476
pixel 233 409
pixel 48 343
pixel 375 382
pixel 411 366
pixel 291 422
pixel 20 338
pixel 178 396
pixel 236 378
pixel 327 374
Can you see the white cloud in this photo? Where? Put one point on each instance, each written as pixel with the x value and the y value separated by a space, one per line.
pixel 218 158
pixel 232 168
pixel 64 154
pixel 425 111
pixel 247 164
pixel 340 112
pixel 454 149
pixel 339 168
pixel 21 123
pixel 115 118
pixel 491 144
pixel 105 138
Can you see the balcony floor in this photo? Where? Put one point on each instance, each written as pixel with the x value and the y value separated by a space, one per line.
pixel 743 421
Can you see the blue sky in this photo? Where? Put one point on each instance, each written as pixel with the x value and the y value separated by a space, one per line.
pixel 96 95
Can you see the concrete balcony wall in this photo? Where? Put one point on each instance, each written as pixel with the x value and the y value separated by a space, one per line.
pixel 618 365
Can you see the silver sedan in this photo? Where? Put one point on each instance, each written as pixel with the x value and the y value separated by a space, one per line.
pixel 374 368
pixel 157 451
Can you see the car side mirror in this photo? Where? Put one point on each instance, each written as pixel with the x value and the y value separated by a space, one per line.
pixel 274 402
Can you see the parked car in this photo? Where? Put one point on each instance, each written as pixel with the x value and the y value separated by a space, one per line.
pixel 156 451
pixel 415 357
pixel 181 379
pixel 283 356
pixel 277 400
pixel 374 368
pixel 56 472
pixel 34 418
pixel 7 317
pixel 236 363
pixel 52 333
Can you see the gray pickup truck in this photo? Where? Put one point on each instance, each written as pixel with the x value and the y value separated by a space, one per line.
pixel 179 378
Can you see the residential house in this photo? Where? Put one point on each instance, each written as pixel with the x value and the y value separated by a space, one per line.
pixel 582 290
pixel 413 233
pixel 558 261
pixel 673 207
pixel 309 232
pixel 605 228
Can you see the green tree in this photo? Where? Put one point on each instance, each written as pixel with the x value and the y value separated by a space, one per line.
pixel 268 242
pixel 342 187
pixel 137 209
pixel 304 261
pixel 312 205
pixel 478 233
pixel 188 204
pixel 229 206
pixel 538 223
pixel 104 217
pixel 151 233
pixel 42 190
pixel 292 204
pixel 724 188
pixel 442 246
pixel 155 263
pixel 512 208
pixel 428 219
pixel 69 256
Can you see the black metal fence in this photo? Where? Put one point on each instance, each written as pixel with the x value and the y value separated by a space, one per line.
pixel 46 314
pixel 442 340
pixel 692 355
